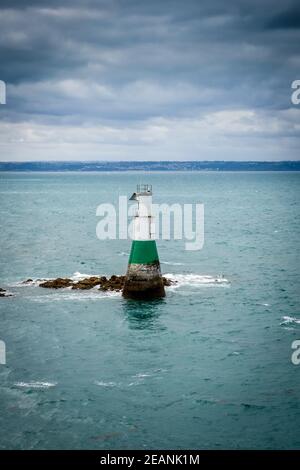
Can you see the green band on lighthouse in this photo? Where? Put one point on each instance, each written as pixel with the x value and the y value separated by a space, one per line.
pixel 143 252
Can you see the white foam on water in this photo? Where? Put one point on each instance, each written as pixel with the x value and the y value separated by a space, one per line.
pixel 141 376
pixel 138 379
pixel 123 253
pixel 35 384
pixel 77 276
pixel 170 263
pixel 67 294
pixel 288 320
pixel 196 280
pixel 101 383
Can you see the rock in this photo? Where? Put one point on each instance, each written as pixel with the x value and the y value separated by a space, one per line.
pixel 4 293
pixel 103 288
pixel 57 283
pixel 87 283
pixel 114 283
pixel 168 282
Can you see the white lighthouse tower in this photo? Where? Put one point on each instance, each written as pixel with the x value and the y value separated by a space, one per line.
pixel 143 224
pixel 143 279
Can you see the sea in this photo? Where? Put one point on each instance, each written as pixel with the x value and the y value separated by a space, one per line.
pixel 207 367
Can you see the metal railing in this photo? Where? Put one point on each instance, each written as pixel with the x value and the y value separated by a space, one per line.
pixel 144 188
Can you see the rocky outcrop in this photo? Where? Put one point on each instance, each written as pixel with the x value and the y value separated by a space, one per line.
pixel 114 283
pixel 87 283
pixel 168 282
pixel 4 293
pixel 57 283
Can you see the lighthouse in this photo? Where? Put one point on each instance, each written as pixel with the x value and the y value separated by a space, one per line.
pixel 143 278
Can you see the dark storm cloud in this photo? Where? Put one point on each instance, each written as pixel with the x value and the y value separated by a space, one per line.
pixel 289 19
pixel 54 38
pixel 125 62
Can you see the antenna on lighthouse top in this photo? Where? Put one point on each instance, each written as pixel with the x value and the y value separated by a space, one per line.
pixel 142 190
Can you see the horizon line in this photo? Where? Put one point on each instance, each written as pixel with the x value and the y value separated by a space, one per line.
pixel 148 161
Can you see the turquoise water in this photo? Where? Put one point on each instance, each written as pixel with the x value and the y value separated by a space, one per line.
pixel 209 366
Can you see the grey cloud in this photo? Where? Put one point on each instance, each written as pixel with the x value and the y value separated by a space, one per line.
pixel 128 62
pixel 289 19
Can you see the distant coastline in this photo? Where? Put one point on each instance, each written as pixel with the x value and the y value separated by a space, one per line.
pixel 150 166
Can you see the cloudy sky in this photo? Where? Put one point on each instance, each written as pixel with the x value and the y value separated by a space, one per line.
pixel 149 80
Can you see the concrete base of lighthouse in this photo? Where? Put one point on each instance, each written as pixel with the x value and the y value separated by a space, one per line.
pixel 143 282
pixel 143 279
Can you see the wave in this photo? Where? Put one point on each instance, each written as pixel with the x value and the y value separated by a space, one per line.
pixel 139 379
pixel 289 320
pixel 69 294
pixel 35 384
pixel 100 383
pixel 77 276
pixel 140 375
pixel 196 280
pixel 171 263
